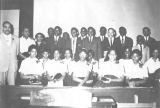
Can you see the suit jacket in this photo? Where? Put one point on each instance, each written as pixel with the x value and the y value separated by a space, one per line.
pixel 8 54
pixel 104 45
pixel 145 53
pixel 151 43
pixel 120 48
pixel 51 44
pixel 95 45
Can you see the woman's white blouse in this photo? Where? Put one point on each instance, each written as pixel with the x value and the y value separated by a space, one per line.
pixel 55 67
pixel 81 69
pixel 111 68
pixel 134 70
pixel 31 66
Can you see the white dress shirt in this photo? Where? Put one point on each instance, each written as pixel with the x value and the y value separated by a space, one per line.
pixel 25 43
pixel 124 37
pixel 74 43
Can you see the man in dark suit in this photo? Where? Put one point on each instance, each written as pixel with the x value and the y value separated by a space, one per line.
pixel 122 42
pixel 93 43
pixel 74 42
pixel 110 38
pixel 58 41
pixel 149 41
pixel 80 40
pixel 103 39
pixel 50 41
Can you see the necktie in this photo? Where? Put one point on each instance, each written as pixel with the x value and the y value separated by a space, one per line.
pixel 102 38
pixel 111 41
pixel 90 39
pixel 141 48
pixel 122 41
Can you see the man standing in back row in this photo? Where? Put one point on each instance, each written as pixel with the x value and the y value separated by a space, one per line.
pixel 122 42
pixel 9 49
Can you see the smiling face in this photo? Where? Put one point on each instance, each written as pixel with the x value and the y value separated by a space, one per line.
pixel 110 32
pixel 45 55
pixel 112 55
pixel 67 54
pixel 56 55
pixel 7 28
pixel 74 33
pixel 135 58
pixel 33 53
pixel 82 56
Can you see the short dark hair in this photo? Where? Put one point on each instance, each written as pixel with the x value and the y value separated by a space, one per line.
pixel 32 47
pixel 147 28
pixel 74 28
pixel 83 28
pixel 40 34
pixel 70 50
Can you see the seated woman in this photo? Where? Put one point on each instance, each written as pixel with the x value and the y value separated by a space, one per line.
pixel 101 60
pixel 90 60
pixel 69 64
pixel 56 70
pixel 68 61
pixel 126 57
pixel 45 60
pixel 111 71
pixel 153 63
pixel 30 69
pixel 81 70
pixel 135 73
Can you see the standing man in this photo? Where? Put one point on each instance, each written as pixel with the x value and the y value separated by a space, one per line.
pixel 50 41
pixel 110 38
pixel 9 49
pixel 103 39
pixel 80 40
pixel 149 41
pixel 74 33
pixel 25 42
pixel 122 42
pixel 58 41
pixel 93 43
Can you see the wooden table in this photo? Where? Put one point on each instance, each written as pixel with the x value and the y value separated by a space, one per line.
pixel 121 94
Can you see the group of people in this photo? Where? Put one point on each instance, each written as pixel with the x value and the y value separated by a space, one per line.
pixel 80 59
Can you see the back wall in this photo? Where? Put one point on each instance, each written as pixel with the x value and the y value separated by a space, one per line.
pixel 133 14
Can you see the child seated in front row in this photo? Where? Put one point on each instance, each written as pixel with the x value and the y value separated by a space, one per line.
pixel 30 67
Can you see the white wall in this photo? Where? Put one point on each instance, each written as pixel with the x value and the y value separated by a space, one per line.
pixel 11 16
pixel 133 14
